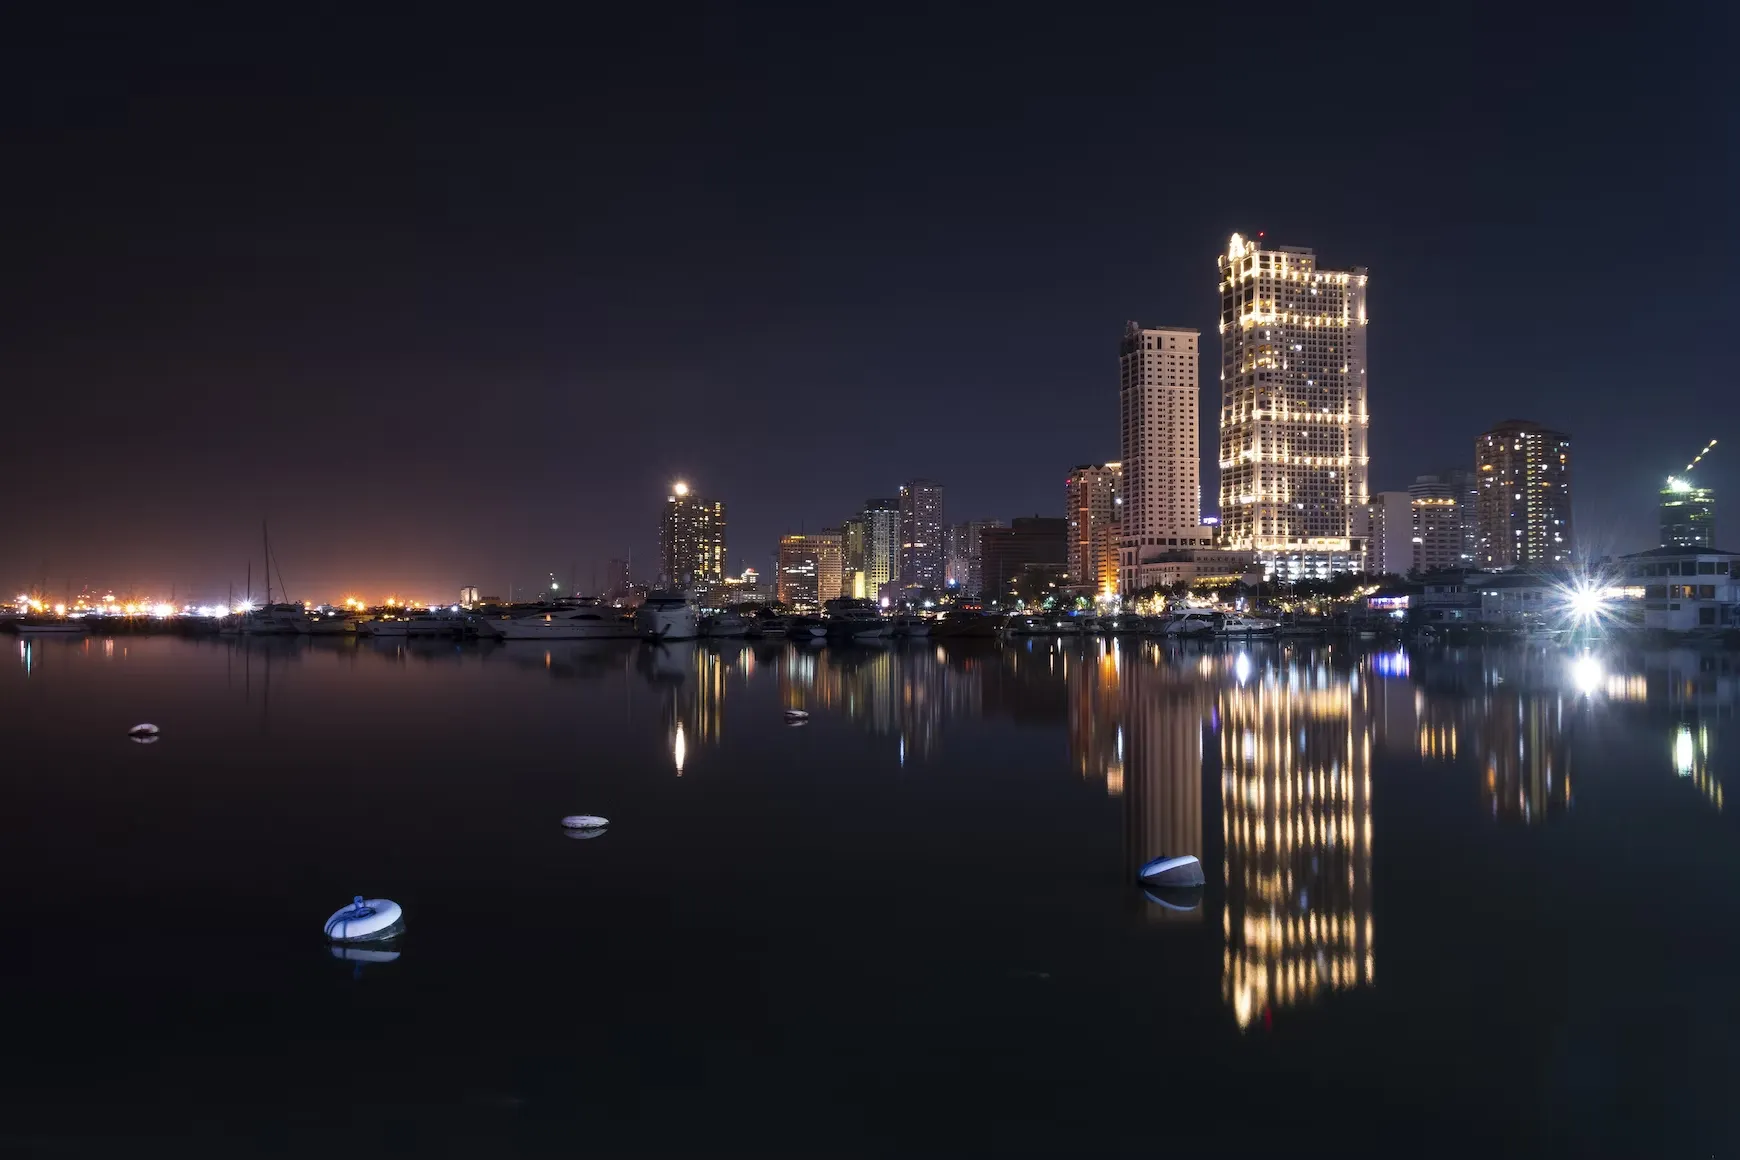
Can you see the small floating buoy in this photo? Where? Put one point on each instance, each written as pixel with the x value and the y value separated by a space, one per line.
pixel 584 822
pixel 796 716
pixel 1184 870
pixel 143 734
pixel 366 920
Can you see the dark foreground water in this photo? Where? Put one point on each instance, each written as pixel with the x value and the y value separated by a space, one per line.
pixel 1457 899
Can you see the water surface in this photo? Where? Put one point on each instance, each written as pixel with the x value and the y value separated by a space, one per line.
pixel 1457 898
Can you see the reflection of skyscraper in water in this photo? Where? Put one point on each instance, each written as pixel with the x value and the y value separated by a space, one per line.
pixel 892 691
pixel 1165 710
pixel 1528 755
pixel 1296 811
pixel 1691 748
pixel 1096 714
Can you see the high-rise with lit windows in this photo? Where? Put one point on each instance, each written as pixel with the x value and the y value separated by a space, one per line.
pixel 1093 503
pixel 921 533
pixel 1293 419
pixel 1524 472
pixel 691 540
pixel 1162 484
pixel 881 543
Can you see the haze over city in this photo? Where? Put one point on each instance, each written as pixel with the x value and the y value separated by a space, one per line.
pixel 458 309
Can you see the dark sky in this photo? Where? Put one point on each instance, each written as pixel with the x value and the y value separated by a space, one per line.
pixel 451 301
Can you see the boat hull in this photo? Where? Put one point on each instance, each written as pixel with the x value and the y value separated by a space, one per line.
pixel 667 624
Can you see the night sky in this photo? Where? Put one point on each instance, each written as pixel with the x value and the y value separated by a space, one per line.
pixel 451 301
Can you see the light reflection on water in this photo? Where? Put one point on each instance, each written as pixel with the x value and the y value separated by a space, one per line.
pixel 1270 761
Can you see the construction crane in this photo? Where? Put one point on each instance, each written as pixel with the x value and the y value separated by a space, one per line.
pixel 1676 482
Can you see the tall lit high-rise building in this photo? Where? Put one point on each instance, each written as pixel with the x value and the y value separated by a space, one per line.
pixel 966 555
pixel 831 576
pixel 1688 515
pixel 921 533
pixel 1525 495
pixel 852 558
pixel 881 543
pixel 691 540
pixel 1463 486
pixel 1093 503
pixel 809 569
pixel 1162 485
pixel 1293 419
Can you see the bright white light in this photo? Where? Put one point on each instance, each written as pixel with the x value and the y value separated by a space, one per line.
pixel 455 608
pixel 1685 753
pixel 1587 674
pixel 245 606
pixel 1242 668
pixel 1678 485
pixel 681 488
pixel 163 610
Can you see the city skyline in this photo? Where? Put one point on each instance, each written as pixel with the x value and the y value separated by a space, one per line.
pixel 373 309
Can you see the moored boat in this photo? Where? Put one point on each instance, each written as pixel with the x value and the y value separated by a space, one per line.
pixel 854 619
pixel 667 616
pixel 591 620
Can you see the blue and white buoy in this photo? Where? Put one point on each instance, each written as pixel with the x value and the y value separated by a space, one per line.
pixel 366 920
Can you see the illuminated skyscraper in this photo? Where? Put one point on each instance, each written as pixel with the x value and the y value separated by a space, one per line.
pixel 921 533
pixel 1162 486
pixel 810 568
pixel 1093 503
pixel 881 544
pixel 852 558
pixel 691 541
pixel 966 555
pixel 1293 419
pixel 1525 495
pixel 1688 515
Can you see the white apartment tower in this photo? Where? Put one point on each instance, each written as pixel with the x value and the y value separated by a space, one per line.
pixel 1162 487
pixel 1293 414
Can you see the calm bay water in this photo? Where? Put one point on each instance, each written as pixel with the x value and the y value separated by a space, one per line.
pixel 1456 897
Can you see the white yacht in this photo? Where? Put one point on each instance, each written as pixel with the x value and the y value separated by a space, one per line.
pixel 667 616
pixel 726 624
pixel 854 619
pixel 268 620
pixel 35 624
pixel 593 620
pixel 415 624
pixel 909 626
pixel 1247 626
pixel 1193 622
pixel 326 624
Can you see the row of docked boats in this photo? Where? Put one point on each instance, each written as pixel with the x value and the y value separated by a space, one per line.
pixel 1189 623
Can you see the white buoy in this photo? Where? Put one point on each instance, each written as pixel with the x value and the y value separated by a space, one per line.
pixel 366 920
pixel 796 716
pixel 1184 870
pixel 585 822
pixel 143 734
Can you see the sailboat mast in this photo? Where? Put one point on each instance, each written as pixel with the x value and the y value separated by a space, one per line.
pixel 266 540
